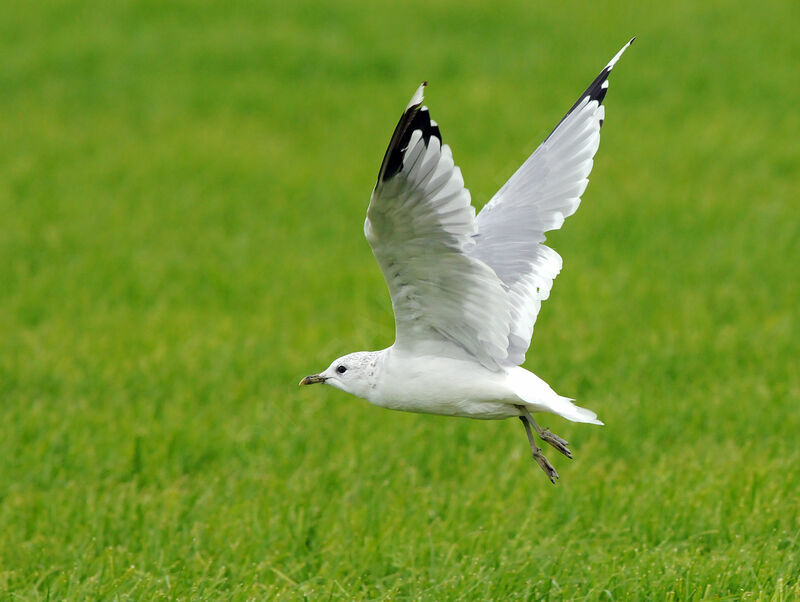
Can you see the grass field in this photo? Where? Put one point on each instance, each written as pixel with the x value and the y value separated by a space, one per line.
pixel 182 191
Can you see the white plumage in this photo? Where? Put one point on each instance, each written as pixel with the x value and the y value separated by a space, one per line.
pixel 466 290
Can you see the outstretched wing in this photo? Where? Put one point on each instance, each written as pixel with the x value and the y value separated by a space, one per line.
pixel 420 225
pixel 537 198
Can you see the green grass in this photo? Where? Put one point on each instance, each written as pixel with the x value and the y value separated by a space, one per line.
pixel 182 189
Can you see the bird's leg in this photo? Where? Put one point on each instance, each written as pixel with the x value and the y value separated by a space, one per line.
pixel 537 454
pixel 545 434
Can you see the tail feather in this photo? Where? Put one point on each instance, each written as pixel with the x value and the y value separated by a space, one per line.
pixel 564 407
pixel 539 397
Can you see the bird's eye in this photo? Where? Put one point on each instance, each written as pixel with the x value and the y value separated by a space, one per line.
pixel 341 369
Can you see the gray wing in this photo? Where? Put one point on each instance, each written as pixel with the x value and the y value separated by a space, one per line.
pixel 537 198
pixel 420 225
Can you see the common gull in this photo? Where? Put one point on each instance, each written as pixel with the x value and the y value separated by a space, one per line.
pixel 466 289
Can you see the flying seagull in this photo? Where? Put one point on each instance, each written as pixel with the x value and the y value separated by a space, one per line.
pixel 466 289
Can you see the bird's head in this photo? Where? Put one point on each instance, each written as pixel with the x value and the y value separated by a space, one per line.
pixel 353 373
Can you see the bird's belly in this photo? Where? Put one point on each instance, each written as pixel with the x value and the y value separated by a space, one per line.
pixel 484 410
pixel 448 388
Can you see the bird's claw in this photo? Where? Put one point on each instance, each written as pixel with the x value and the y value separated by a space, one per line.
pixel 556 441
pixel 546 466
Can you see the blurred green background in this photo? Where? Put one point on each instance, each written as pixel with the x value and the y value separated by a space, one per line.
pixel 182 192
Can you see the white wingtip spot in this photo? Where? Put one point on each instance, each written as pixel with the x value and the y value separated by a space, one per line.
pixel 418 96
pixel 613 61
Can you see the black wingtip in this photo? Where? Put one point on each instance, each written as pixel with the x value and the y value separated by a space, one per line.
pixel 415 117
pixel 598 88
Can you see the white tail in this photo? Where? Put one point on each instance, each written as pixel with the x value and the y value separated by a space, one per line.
pixel 539 397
